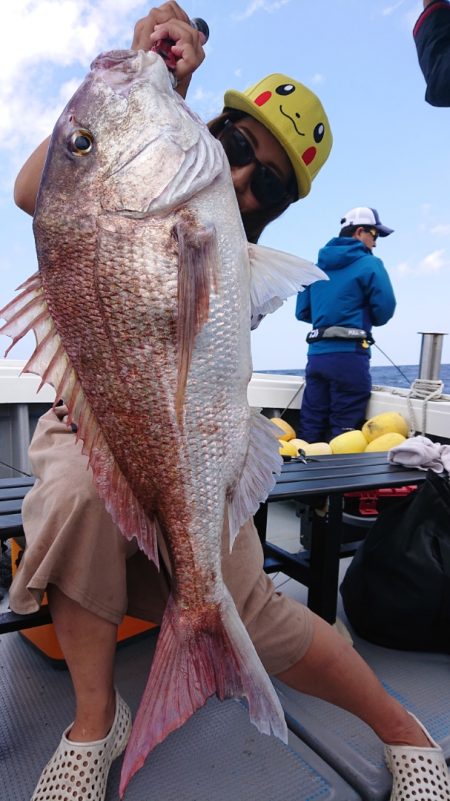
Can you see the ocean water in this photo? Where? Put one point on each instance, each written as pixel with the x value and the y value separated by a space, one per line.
pixel 401 376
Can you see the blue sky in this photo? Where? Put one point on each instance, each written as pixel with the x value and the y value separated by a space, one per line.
pixel 391 149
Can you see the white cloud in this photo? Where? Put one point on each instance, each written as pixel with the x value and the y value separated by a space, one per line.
pixel 261 5
pixel 317 78
pixel 441 230
pixel 53 35
pixel 388 10
pixel 434 262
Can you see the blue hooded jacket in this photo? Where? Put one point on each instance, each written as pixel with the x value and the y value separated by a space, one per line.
pixel 359 294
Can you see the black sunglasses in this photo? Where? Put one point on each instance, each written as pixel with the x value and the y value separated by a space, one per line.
pixel 373 233
pixel 267 187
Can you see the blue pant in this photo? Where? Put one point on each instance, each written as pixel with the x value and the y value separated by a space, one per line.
pixel 337 390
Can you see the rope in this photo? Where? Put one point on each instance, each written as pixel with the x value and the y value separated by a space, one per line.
pixel 423 390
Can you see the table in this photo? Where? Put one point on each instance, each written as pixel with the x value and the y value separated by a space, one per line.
pixel 12 493
pixel 329 476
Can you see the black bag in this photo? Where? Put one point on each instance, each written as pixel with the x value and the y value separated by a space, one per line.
pixel 396 591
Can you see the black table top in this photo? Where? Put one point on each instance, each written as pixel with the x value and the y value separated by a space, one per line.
pixel 334 473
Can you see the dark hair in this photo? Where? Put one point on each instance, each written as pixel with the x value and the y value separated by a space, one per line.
pixel 348 230
pixel 254 221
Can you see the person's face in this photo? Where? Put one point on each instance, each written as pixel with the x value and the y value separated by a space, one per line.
pixel 368 236
pixel 269 153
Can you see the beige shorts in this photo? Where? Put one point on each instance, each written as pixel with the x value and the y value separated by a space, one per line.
pixel 73 543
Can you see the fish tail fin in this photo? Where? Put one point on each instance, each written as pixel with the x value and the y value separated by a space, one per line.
pixel 196 657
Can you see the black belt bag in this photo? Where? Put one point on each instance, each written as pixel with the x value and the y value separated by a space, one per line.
pixel 342 333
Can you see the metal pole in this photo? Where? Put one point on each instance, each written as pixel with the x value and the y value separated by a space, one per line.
pixel 430 355
pixel 20 436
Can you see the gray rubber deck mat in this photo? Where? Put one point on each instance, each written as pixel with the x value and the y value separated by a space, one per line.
pixel 420 681
pixel 216 756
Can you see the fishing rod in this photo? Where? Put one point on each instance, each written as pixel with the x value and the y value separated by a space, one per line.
pixel 408 380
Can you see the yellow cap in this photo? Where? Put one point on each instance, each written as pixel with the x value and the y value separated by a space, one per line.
pixel 295 116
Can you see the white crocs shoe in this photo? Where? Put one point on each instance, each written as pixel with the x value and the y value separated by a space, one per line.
pixel 79 771
pixel 418 773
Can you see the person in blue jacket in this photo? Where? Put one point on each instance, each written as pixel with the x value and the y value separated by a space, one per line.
pixel 432 39
pixel 342 310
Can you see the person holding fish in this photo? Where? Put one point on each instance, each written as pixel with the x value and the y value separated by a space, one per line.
pixel 94 537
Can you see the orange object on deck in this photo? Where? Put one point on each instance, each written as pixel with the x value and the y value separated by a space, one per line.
pixel 44 637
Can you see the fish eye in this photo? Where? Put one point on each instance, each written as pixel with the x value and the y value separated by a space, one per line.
pixel 285 89
pixel 319 132
pixel 81 142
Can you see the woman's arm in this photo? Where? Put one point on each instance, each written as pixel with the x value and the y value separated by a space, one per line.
pixel 28 180
pixel 169 21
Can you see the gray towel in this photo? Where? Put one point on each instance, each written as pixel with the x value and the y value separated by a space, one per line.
pixel 422 453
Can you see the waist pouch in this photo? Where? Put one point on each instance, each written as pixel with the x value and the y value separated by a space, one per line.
pixel 341 332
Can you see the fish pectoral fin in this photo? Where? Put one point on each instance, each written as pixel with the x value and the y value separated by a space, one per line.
pixel 275 276
pixel 198 655
pixel 262 463
pixel 198 276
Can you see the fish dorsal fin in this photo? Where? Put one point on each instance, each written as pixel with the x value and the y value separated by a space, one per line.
pixel 197 276
pixel 29 311
pixel 275 276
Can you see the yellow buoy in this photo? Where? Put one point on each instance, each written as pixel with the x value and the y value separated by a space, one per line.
pixel 288 431
pixel 300 444
pixel 385 442
pixel 350 442
pixel 287 449
pixel 385 423
pixel 318 449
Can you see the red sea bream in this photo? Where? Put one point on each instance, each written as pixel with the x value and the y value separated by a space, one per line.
pixel 141 309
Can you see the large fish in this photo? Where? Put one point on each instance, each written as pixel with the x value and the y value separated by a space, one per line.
pixel 141 311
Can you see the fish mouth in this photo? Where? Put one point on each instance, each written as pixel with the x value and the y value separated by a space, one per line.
pixel 121 69
pixel 125 59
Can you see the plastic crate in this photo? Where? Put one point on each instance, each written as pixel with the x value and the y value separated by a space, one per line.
pixel 370 503
pixel 44 637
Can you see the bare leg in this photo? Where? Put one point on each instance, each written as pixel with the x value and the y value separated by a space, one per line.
pixel 332 670
pixel 89 644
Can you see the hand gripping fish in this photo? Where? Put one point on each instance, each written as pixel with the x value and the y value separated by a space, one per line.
pixel 141 310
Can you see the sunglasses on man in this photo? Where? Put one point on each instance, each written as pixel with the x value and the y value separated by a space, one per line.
pixel 266 186
pixel 373 233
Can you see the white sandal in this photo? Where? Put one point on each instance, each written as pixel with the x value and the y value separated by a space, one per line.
pixel 79 771
pixel 419 774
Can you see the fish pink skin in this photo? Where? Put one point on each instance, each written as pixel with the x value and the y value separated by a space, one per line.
pixel 141 311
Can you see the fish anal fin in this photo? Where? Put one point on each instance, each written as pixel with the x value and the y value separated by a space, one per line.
pixel 199 655
pixel 197 277
pixel 262 463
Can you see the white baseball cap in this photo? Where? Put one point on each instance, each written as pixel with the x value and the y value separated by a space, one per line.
pixel 363 215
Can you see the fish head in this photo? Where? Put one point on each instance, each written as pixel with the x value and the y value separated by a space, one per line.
pixel 127 143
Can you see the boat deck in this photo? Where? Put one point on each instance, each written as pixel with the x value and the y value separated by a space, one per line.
pixel 218 754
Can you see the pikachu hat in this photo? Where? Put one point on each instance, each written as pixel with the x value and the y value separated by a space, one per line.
pixel 295 116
